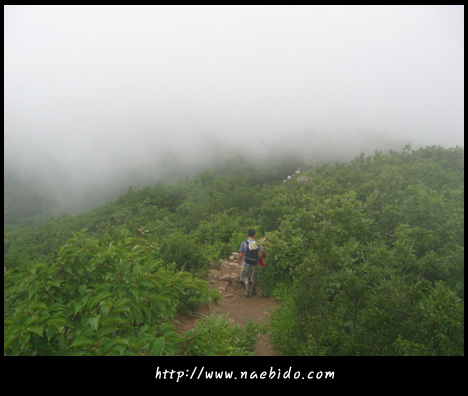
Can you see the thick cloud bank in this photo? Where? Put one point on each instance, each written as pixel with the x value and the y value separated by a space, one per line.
pixel 97 95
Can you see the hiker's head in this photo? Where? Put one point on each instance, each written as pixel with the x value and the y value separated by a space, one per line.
pixel 251 232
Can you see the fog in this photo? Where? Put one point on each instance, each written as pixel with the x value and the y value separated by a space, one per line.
pixel 99 98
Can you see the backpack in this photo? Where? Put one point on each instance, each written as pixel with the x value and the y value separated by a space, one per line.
pixel 251 255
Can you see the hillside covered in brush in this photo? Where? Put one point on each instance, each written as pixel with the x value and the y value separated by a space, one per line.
pixel 365 258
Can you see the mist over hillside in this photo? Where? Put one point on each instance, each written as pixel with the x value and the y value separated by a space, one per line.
pixel 62 187
pixel 102 98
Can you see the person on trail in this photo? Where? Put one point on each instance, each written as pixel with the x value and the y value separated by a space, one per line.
pixel 249 253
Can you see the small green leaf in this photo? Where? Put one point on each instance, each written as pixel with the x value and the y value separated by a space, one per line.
pixel 158 347
pixel 105 310
pixel 107 330
pixel 123 308
pixel 39 306
pixel 81 341
pixel 79 305
pixel 50 332
pixel 94 322
pixel 36 330
pixel 56 282
pixel 94 301
pixel 57 322
pixel 147 283
pixel 122 341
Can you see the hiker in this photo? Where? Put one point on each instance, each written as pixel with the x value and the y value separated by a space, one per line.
pixel 250 252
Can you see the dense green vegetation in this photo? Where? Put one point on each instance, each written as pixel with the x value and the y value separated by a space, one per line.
pixel 372 256
pixel 365 257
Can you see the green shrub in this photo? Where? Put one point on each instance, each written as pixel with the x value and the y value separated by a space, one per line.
pixel 215 335
pixel 184 251
pixel 101 300
pixel 370 255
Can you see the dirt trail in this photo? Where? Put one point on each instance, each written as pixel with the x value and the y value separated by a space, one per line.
pixel 235 305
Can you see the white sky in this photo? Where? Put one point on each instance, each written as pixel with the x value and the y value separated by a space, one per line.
pixel 92 88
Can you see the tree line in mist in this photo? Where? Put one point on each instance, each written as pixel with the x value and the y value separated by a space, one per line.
pixel 44 182
pixel 366 257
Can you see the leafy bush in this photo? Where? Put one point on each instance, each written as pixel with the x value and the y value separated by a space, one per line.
pixel 215 335
pixel 184 251
pixel 101 300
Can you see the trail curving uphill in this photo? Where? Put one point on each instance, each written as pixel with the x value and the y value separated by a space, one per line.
pixel 239 309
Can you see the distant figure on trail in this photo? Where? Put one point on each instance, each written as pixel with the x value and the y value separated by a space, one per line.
pixel 250 252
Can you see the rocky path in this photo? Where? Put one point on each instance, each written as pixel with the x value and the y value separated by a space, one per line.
pixel 239 309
